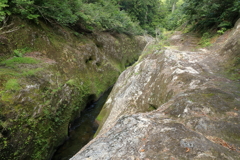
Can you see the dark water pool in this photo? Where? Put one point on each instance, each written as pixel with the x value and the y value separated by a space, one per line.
pixel 83 130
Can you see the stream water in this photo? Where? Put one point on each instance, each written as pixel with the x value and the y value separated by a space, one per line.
pixel 82 130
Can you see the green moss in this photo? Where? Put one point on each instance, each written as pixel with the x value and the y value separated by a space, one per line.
pixel 21 52
pixel 233 71
pixel 71 82
pixel 40 124
pixel 7 71
pixel 12 84
pixel 208 95
pixel 6 96
pixel 137 73
pixel 31 72
pixel 152 107
pixel 99 118
pixel 19 60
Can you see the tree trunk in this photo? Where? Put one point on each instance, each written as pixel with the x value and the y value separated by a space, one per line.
pixel 173 7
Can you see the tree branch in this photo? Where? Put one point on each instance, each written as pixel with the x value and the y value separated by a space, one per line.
pixel 9 31
pixel 4 26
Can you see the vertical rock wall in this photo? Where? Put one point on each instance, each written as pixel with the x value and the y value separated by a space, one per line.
pixel 47 75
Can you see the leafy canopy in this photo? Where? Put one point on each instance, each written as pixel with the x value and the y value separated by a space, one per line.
pixel 149 14
pixel 3 11
pixel 212 13
pixel 98 14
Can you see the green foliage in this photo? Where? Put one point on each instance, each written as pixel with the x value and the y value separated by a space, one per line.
pixel 205 40
pixel 63 11
pixel 221 31
pixel 25 7
pixel 149 13
pixel 3 11
pixel 205 14
pixel 17 53
pixel 78 84
pixel 99 15
pixel 21 52
pixel 106 15
pixel 174 19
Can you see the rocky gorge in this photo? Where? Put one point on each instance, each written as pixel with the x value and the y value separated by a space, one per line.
pixel 48 73
pixel 176 102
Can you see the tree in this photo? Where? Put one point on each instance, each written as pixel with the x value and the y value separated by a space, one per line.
pixel 3 12
pixel 172 4
pixel 212 13
pixel 94 14
pixel 148 13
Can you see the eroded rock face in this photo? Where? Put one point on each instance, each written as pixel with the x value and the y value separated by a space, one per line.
pixel 44 89
pixel 197 112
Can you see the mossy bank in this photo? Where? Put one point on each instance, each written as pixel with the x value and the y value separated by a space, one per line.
pixel 47 75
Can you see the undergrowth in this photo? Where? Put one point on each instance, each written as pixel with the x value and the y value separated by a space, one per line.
pixel 205 40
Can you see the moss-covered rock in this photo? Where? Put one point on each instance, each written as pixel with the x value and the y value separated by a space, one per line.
pixel 231 51
pixel 48 74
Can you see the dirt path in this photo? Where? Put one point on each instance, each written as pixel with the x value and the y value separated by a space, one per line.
pixel 185 42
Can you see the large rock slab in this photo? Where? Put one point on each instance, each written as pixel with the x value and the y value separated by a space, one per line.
pixel 196 110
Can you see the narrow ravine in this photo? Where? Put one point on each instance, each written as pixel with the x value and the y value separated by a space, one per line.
pixel 174 103
pixel 82 130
